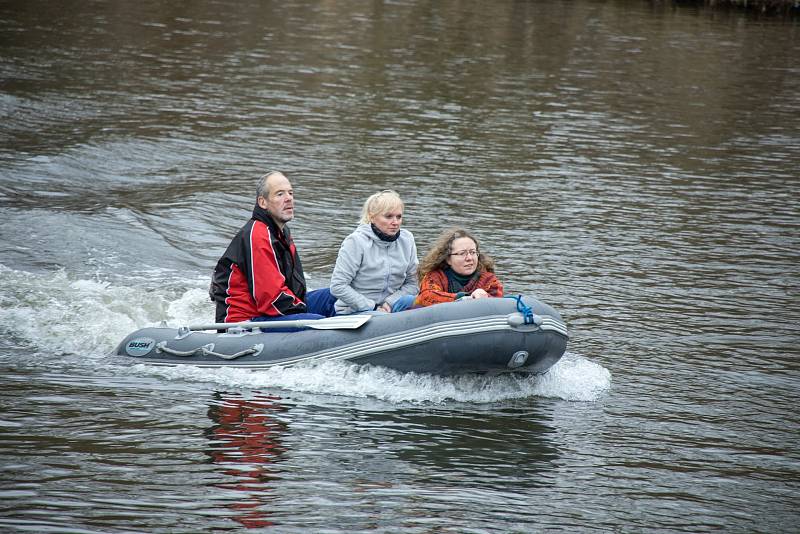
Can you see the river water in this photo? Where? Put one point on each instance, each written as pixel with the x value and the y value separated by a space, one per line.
pixel 633 164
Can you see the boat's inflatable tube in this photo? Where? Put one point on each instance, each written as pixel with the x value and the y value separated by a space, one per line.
pixel 491 335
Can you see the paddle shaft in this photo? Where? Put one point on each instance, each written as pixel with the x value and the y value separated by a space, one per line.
pixel 332 323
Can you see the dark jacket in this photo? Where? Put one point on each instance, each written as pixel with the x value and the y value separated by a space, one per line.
pixel 259 274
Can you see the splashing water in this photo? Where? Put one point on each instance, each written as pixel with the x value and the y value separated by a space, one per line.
pixel 574 378
pixel 51 314
pixel 54 313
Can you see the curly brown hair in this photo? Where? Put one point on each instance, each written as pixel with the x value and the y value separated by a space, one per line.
pixel 436 258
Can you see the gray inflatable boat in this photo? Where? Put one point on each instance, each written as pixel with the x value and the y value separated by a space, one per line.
pixel 487 336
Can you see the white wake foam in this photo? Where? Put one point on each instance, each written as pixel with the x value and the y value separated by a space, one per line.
pixel 53 314
pixel 574 378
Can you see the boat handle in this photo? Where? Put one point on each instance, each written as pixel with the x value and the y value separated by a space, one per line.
pixel 208 350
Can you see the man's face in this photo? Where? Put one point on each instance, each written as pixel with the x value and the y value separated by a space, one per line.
pixel 280 201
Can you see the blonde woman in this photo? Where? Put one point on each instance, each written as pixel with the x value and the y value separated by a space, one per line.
pixel 376 269
pixel 455 268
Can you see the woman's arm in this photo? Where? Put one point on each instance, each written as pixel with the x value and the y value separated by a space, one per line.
pixel 433 290
pixel 492 285
pixel 351 254
pixel 409 285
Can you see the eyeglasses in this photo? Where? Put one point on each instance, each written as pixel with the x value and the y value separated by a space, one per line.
pixel 464 253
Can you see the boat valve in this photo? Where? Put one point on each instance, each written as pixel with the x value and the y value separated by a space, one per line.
pixel 518 359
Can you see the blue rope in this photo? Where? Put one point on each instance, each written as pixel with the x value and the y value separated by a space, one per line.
pixel 524 309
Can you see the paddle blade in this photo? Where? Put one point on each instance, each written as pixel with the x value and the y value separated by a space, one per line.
pixel 334 323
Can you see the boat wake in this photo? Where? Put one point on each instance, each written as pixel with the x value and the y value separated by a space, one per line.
pixel 58 321
pixel 573 378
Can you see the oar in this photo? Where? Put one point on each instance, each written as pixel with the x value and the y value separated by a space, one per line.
pixel 330 323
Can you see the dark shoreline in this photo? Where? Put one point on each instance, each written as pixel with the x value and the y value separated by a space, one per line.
pixel 767 7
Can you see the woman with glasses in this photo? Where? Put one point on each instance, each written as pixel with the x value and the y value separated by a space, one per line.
pixel 376 269
pixel 455 269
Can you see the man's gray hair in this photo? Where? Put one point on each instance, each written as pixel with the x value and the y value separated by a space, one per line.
pixel 262 189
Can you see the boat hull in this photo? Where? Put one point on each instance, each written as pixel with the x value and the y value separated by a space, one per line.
pixel 475 336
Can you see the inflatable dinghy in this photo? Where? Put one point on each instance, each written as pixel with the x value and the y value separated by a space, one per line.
pixel 487 336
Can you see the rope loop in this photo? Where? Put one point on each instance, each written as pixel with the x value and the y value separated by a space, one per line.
pixel 524 309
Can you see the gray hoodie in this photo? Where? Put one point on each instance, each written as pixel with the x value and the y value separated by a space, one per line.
pixel 370 271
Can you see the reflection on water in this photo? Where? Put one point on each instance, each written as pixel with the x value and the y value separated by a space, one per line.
pixel 245 441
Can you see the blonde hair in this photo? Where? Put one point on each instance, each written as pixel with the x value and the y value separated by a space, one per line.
pixel 383 202
pixel 436 258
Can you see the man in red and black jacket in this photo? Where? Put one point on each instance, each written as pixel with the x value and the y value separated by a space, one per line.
pixel 260 274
